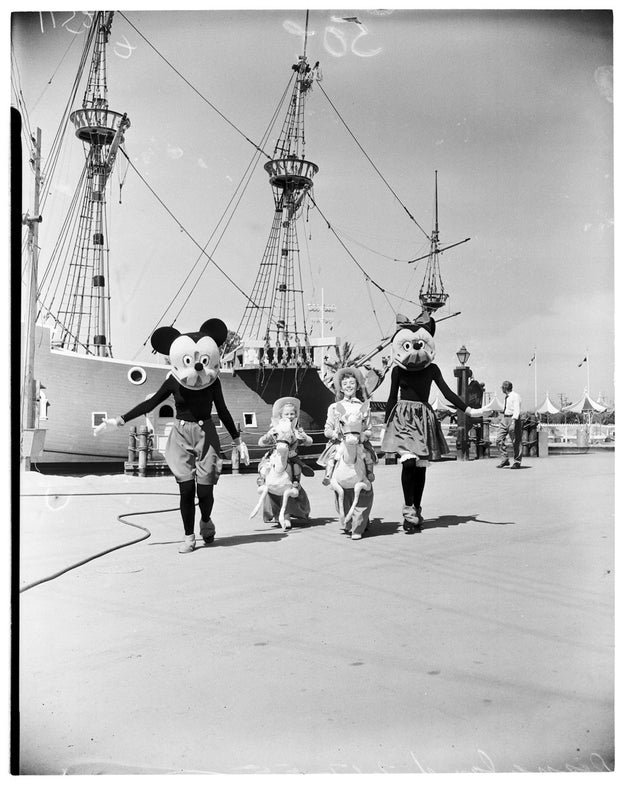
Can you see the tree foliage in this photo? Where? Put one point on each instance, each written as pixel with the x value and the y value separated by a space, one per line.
pixel 344 356
pixel 232 341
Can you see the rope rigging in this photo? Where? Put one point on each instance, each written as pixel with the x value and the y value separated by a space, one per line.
pixel 260 150
pixel 195 90
pixel 407 211
pixel 185 231
pixel 356 262
pixel 234 202
pixel 240 190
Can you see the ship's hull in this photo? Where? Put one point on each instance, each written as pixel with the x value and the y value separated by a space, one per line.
pixel 77 390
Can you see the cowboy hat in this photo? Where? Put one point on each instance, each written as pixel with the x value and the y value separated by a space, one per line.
pixel 276 412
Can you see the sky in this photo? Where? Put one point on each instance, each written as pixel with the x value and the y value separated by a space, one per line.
pixel 513 109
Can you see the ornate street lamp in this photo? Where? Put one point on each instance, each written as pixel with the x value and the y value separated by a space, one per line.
pixel 463 355
pixel 462 373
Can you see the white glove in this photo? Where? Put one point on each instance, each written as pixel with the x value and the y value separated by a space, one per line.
pixel 244 454
pixel 108 423
pixel 474 412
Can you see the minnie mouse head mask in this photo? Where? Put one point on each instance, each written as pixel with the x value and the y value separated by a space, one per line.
pixel 413 343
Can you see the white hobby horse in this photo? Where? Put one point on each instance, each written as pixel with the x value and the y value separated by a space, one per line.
pixel 349 469
pixel 277 476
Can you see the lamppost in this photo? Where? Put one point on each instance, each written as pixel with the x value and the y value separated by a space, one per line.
pixel 462 372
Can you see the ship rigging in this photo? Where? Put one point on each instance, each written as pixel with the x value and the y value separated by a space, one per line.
pixel 274 318
pixel 273 353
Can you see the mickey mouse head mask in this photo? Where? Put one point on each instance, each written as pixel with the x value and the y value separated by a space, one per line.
pixel 194 357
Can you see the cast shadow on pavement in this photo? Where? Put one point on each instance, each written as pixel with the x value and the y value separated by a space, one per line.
pixel 444 521
pixel 379 528
pixel 235 539
pixel 272 533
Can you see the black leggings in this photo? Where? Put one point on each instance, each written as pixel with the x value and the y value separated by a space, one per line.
pixel 187 503
pixel 412 482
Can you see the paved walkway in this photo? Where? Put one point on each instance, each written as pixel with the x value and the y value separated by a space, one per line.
pixel 485 643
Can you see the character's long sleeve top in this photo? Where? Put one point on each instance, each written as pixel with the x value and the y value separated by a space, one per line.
pixel 191 405
pixel 415 386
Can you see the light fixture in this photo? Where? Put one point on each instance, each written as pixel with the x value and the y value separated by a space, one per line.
pixel 463 355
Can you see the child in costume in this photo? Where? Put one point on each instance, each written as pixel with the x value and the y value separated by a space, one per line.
pixel 193 449
pixel 284 409
pixel 348 384
pixel 287 408
pixel 413 430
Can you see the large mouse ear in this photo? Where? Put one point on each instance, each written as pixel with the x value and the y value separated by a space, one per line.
pixel 216 329
pixel 162 339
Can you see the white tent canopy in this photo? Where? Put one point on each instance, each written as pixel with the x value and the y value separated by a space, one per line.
pixel 585 404
pixel 494 406
pixel 441 406
pixel 547 406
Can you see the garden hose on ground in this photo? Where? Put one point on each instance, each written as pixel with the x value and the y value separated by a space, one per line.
pixel 120 518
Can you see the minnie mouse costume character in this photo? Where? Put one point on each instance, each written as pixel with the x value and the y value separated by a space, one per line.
pixel 413 430
pixel 192 451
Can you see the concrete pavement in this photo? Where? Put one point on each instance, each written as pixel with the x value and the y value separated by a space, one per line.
pixel 484 643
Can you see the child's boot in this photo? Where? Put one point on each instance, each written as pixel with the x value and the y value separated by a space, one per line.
pixel 188 544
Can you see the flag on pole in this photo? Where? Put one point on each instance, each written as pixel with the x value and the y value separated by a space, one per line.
pixel 579 365
pixel 531 362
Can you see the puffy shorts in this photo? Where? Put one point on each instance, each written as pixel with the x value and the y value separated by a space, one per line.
pixel 192 452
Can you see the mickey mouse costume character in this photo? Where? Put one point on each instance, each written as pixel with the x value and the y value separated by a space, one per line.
pixel 192 451
pixel 413 430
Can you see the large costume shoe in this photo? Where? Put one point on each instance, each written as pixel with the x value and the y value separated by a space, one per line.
pixel 207 531
pixel 412 518
pixel 505 462
pixel 188 544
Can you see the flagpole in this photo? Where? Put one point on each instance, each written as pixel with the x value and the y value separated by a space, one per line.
pixel 535 382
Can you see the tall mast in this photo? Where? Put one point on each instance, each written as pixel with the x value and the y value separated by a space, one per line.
pixel 29 396
pixel 83 316
pixel 276 315
pixel 432 294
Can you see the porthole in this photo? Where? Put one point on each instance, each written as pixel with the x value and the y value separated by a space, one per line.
pixel 136 375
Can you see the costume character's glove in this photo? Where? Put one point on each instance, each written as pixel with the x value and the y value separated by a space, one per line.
pixel 110 422
pixel 243 451
pixel 474 412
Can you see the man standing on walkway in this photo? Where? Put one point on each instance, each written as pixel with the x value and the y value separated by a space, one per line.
pixel 511 426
